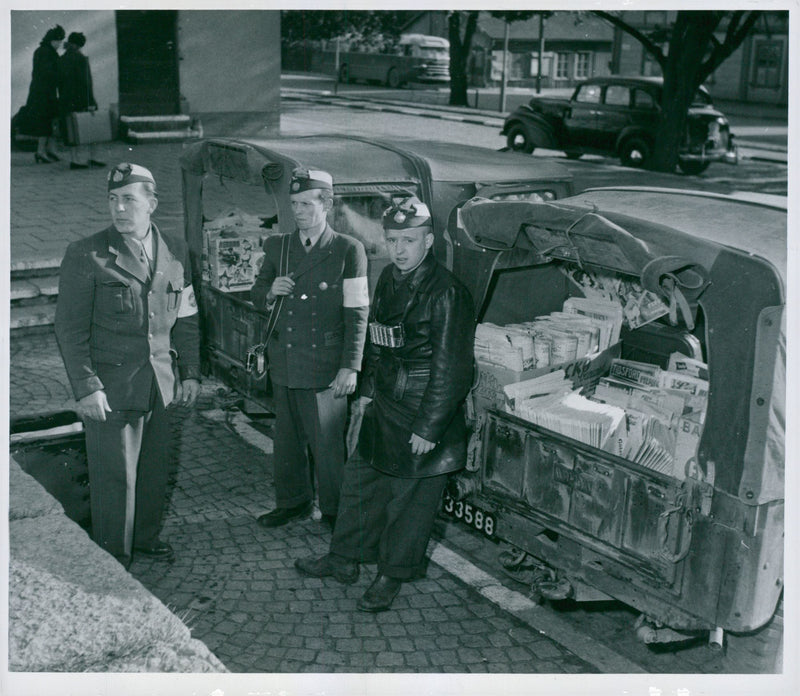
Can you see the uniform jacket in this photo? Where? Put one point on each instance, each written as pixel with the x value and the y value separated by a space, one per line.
pixel 321 326
pixel 419 388
pixel 75 81
pixel 117 329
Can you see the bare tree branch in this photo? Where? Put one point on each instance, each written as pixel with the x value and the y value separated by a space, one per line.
pixel 650 46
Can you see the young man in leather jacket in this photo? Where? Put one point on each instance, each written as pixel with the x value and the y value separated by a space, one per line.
pixel 417 373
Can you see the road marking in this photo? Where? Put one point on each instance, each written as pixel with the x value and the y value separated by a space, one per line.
pixel 540 619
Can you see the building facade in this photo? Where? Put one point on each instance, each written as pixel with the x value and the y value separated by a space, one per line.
pixel 221 67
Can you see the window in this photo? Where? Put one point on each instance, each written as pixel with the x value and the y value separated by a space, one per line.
pixel 655 18
pixel 642 99
pixel 617 95
pixel 562 66
pixel 588 94
pixel 583 65
pixel 767 64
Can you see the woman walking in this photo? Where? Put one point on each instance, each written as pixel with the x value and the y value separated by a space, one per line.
pixel 41 108
pixel 76 95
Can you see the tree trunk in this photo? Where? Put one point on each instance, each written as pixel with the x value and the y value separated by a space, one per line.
pixel 689 45
pixel 459 55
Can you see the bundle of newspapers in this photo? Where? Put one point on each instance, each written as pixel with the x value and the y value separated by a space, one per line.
pixel 583 327
pixel 551 402
pixel 640 412
pixel 664 411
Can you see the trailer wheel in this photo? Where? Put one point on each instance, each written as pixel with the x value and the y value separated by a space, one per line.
pixel 519 139
pixel 393 78
pixel 344 74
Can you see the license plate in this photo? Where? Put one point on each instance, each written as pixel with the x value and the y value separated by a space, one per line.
pixel 471 515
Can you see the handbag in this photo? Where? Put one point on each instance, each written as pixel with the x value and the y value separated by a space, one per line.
pixel 87 127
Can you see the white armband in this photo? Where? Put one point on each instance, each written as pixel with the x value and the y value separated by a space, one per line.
pixel 356 292
pixel 188 303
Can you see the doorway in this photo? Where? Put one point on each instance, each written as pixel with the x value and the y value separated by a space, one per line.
pixel 147 48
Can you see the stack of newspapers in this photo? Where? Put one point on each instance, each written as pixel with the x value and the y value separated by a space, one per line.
pixel 551 402
pixel 584 327
pixel 657 405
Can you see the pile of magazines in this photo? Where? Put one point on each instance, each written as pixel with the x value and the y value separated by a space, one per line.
pixel 583 327
pixel 640 412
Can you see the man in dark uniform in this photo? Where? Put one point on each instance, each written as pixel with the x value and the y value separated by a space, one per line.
pixel 417 373
pixel 127 327
pixel 319 279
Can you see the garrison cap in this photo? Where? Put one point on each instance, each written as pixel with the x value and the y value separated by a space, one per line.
pixel 126 173
pixel 307 179
pixel 406 212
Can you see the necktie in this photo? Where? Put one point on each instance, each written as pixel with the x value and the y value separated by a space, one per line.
pixel 308 245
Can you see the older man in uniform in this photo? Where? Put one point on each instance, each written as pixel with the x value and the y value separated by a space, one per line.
pixel 127 327
pixel 318 278
pixel 417 373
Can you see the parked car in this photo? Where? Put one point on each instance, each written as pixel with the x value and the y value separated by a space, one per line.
pixel 693 542
pixel 619 116
pixel 237 191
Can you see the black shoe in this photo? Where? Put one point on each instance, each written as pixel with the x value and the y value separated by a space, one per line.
pixel 159 550
pixel 78 165
pixel 96 163
pixel 380 594
pixel 280 516
pixel 53 157
pixel 340 569
pixel 42 159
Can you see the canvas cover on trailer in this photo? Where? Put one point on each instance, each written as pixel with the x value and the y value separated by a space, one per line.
pixel 738 253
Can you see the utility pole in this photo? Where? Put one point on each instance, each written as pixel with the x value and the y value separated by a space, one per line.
pixel 541 53
pixel 505 69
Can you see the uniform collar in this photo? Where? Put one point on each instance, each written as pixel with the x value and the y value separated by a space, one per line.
pixel 414 278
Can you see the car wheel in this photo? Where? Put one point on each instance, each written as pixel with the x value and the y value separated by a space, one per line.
pixel 518 139
pixel 393 78
pixel 693 166
pixel 573 155
pixel 344 74
pixel 634 152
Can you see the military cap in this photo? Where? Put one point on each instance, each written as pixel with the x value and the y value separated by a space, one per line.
pixel 406 212
pixel 126 173
pixel 307 179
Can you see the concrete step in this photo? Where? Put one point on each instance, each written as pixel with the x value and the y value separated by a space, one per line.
pixel 33 287
pixel 166 136
pixel 142 124
pixel 32 316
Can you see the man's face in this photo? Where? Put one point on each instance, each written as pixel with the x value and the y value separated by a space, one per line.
pixel 309 209
pixel 131 209
pixel 408 247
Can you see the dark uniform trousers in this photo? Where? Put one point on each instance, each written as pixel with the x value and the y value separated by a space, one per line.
pixel 385 519
pixel 129 469
pixel 308 418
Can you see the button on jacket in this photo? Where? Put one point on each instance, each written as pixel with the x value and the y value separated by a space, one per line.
pixel 420 387
pixel 117 327
pixel 322 324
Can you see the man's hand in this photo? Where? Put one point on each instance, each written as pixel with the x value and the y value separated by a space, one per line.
pixel 94 406
pixel 186 392
pixel 282 285
pixel 419 445
pixel 344 383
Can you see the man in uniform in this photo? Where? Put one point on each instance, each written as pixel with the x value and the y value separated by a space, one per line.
pixel 417 373
pixel 127 327
pixel 319 280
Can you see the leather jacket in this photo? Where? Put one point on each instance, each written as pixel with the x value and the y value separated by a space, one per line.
pixel 419 387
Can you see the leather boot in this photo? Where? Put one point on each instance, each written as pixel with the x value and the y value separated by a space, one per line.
pixel 340 569
pixel 380 594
